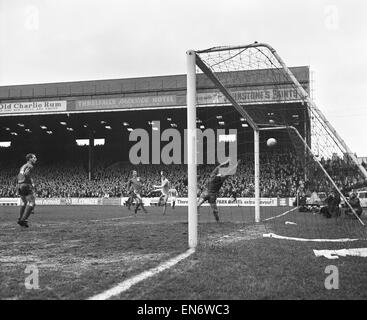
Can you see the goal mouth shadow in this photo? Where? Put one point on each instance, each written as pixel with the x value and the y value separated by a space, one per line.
pixel 227 237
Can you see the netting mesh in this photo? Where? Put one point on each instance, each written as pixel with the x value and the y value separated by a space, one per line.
pixel 258 72
pixel 266 91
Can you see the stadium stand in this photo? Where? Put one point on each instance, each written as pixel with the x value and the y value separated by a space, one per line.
pixel 67 176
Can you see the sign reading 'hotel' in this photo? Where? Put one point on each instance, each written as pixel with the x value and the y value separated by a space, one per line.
pixel 126 102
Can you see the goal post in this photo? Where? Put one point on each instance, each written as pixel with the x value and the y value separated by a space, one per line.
pixel 191 150
pixel 257 174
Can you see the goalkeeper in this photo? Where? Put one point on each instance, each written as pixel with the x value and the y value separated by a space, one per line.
pixel 215 182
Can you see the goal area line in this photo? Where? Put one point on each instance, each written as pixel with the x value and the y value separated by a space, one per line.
pixel 275 236
pixel 280 215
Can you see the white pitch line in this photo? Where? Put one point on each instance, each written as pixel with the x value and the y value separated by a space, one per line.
pixel 273 235
pixel 279 215
pixel 335 254
pixel 112 219
pixel 127 284
pixel 290 222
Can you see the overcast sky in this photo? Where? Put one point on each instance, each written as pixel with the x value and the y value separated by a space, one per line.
pixel 67 40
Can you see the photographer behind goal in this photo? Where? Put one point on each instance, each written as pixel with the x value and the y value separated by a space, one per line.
pixel 332 205
pixel 355 204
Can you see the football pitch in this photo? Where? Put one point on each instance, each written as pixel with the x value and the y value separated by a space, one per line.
pixel 82 251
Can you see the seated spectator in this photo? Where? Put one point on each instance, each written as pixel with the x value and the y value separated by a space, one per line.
pixel 332 208
pixel 355 204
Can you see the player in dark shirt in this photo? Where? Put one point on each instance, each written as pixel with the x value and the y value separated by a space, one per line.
pixel 215 182
pixel 25 190
pixel 136 184
pixel 233 195
pixel 131 198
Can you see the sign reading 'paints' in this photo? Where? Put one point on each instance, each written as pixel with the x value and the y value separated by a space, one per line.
pixel 277 94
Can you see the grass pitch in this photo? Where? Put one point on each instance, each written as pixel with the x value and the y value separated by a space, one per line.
pixel 81 251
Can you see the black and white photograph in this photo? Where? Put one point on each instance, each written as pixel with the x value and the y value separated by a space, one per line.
pixel 190 152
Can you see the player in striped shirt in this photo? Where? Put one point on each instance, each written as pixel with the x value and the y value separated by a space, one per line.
pixel 173 196
pixel 136 184
pixel 25 190
pixel 164 187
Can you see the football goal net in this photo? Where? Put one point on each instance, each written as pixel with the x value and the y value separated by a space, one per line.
pixel 287 147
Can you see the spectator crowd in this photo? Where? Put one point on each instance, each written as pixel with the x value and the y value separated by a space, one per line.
pixel 280 176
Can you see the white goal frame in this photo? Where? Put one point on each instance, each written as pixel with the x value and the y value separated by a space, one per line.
pixel 194 60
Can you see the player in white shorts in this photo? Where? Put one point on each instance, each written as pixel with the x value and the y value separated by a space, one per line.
pixel 173 196
pixel 164 187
